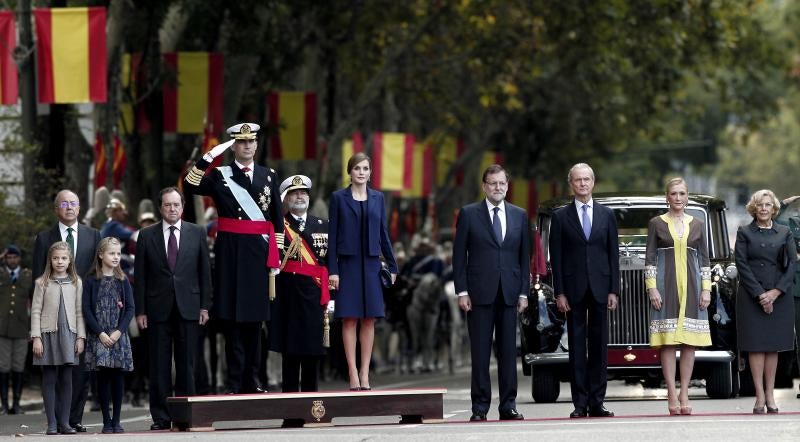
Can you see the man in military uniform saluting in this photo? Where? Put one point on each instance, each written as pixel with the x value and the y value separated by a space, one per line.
pixel 297 330
pixel 246 251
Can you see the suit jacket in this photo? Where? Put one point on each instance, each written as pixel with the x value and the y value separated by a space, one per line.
pixel 344 231
pixel 481 265
pixel 579 264
pixel 84 256
pixel 158 288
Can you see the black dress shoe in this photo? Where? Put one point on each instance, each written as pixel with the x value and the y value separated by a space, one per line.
pixel 600 412
pixel 51 432
pixel 578 412
pixel 511 415
pixel 79 428
pixel 67 430
pixel 477 417
pixel 157 426
pixel 256 390
pixel 293 423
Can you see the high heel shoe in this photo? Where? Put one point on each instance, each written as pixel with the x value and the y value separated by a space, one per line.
pixel 772 410
pixel 686 409
pixel 762 409
pixel 674 411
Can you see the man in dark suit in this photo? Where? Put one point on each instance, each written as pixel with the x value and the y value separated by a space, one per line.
pixel 584 254
pixel 250 232
pixel 491 255
pixel 172 298
pixel 83 242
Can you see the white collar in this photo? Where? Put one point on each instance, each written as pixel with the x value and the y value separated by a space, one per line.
pixel 63 227
pixel 242 166
pixel 579 204
pixel 491 206
pixel 165 225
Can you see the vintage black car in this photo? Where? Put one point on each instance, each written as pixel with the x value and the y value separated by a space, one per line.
pixel 543 329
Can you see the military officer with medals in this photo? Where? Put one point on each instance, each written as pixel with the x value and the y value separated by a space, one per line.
pixel 298 328
pixel 250 232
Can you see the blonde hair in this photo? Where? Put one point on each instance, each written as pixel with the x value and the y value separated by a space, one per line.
pixel 48 268
pixel 675 182
pixel 756 198
pixel 102 246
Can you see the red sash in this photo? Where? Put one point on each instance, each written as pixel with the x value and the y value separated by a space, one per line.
pixel 249 227
pixel 308 265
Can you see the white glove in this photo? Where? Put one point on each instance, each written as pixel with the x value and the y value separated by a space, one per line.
pixel 331 306
pixel 217 150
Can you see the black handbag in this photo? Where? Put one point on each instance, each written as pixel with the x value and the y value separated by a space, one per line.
pixel 385 275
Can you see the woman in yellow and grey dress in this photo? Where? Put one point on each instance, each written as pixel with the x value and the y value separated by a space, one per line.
pixel 678 281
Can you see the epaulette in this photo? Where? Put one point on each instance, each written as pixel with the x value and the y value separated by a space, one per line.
pixel 194 176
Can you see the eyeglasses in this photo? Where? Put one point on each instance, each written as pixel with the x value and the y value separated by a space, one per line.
pixel 496 183
pixel 67 204
pixel 765 205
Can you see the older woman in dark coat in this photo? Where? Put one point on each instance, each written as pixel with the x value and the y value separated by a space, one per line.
pixel 765 257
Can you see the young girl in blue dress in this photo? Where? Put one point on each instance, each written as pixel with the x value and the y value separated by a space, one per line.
pixel 58 333
pixel 108 309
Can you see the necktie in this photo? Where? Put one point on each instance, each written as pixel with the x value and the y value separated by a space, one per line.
pixel 302 224
pixel 246 171
pixel 71 241
pixel 498 229
pixel 172 248
pixel 587 223
pixel 14 276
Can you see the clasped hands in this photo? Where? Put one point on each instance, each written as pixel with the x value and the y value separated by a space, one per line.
pixel 107 340
pixel 656 301
pixel 767 299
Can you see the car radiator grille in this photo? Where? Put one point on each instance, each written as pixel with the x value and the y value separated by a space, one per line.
pixel 629 323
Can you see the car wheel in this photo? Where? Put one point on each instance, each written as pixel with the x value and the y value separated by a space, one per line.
pixel 722 381
pixel 545 385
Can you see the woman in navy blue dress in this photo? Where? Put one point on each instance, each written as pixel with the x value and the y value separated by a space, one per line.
pixel 357 238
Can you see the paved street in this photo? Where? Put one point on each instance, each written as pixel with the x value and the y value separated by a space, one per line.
pixel 641 415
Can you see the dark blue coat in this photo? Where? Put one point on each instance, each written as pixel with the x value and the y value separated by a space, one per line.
pixel 482 265
pixel 91 287
pixel 579 263
pixel 355 255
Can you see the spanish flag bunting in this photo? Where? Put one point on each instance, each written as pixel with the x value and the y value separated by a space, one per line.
pixel 350 147
pixel 523 193
pixel 422 172
pixel 99 162
pixel 71 54
pixel 449 151
pixel 9 87
pixel 391 160
pixel 120 162
pixel 132 75
pixel 293 117
pixel 193 93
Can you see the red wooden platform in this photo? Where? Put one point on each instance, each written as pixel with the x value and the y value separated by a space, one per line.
pixel 198 413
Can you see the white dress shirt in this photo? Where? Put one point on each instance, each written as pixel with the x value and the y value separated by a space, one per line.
pixel 63 229
pixel 500 213
pixel 248 173
pixel 579 205
pixel 165 227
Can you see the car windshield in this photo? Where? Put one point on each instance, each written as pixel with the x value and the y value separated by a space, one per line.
pixel 632 223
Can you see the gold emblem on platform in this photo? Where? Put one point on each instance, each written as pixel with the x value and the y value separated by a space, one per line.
pixel 318 410
pixel 630 357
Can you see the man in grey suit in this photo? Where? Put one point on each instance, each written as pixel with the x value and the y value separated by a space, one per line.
pixel 584 254
pixel 172 296
pixel 83 242
pixel 491 255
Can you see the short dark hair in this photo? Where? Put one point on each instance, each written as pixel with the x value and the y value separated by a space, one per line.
pixel 493 169
pixel 167 190
pixel 357 158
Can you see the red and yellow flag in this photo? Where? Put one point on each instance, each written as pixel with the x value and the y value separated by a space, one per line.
pixel 193 96
pixel 523 193
pixel 350 147
pixel 391 160
pixel 120 162
pixel 71 54
pixel 294 115
pixel 99 162
pixel 450 150
pixel 9 88
pixel 422 172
